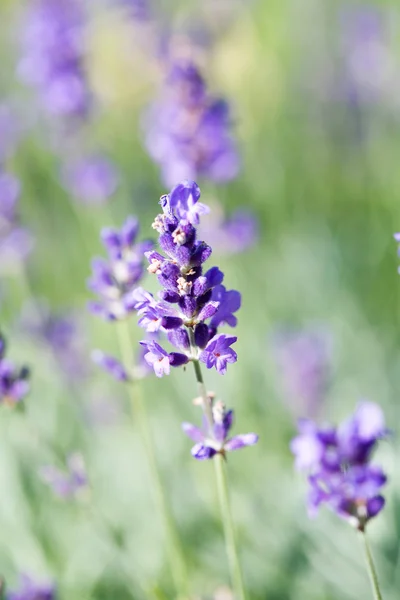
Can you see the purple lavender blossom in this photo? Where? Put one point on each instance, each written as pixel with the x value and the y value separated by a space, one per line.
pixel 15 241
pixel 370 72
pixel 188 132
pixel 115 279
pixel 214 439
pixel 92 179
pixel 66 484
pixel 303 358
pixel 53 56
pixel 29 589
pixel 338 463
pixel 13 381
pixel 62 333
pixel 192 305
pixel 111 365
pixel 233 234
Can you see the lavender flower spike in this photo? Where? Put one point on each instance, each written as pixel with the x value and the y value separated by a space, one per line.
pixel 338 460
pixel 116 278
pixel 214 439
pixel 193 304
pixel 13 381
pixel 188 132
pixel 29 589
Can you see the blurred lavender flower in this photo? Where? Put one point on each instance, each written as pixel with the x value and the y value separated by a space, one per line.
pixel 92 179
pixel 115 279
pixel 9 131
pixel 53 56
pixel 338 463
pixel 303 359
pixel 231 235
pixel 66 484
pixel 188 132
pixel 15 241
pixel 110 364
pixel 62 333
pixel 370 71
pixel 13 381
pixel 138 9
pixel 189 298
pixel 32 590
pixel 208 444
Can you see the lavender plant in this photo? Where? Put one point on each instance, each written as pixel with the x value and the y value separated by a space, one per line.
pixel 188 132
pixel 191 308
pixel 115 282
pixel 340 473
pixel 13 380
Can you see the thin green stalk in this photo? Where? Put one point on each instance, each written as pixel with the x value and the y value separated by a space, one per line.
pixel 223 496
pixel 371 568
pixel 138 409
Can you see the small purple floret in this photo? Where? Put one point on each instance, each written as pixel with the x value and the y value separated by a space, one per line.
pixel 29 589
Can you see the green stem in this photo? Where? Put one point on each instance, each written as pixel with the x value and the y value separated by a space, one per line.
pixel 371 568
pixel 138 410
pixel 223 498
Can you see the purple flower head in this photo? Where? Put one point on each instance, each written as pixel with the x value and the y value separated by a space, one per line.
pixel 66 484
pixel 370 71
pixel 53 56
pixel 338 463
pixel 160 360
pixel 62 333
pixel 29 589
pixel 13 380
pixel 188 132
pixel 110 364
pixel 93 179
pixel 233 234
pixel 214 437
pixel 192 304
pixel 303 359
pixel 115 279
pixel 15 242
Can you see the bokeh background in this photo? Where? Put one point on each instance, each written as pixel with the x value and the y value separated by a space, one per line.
pixel 314 90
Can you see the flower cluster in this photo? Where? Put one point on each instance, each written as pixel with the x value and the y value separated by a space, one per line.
pixel 192 304
pixel 13 381
pixel 53 46
pixel 338 462
pixel 303 358
pixel 214 438
pixel 233 234
pixel 92 179
pixel 32 590
pixel 188 132
pixel 15 241
pixel 114 280
pixel 66 484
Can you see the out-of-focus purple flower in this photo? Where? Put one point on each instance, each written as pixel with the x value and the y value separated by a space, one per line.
pixel 397 239
pixel 53 56
pixel 116 278
pixel 188 132
pixel 214 437
pixel 15 241
pixel 13 380
pixel 192 304
pixel 92 179
pixel 110 364
pixel 62 333
pixel 370 71
pixel 338 462
pixel 9 131
pixel 30 589
pixel 303 359
pixel 66 484
pixel 233 234
pixel 137 9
